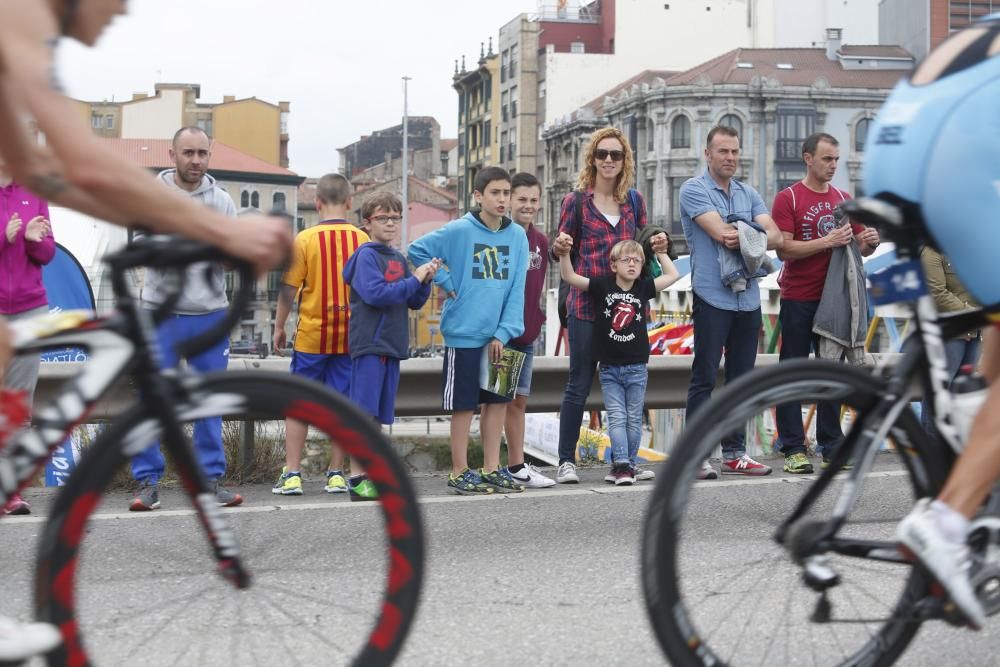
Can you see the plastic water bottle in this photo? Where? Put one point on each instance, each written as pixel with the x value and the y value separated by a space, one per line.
pixel 968 391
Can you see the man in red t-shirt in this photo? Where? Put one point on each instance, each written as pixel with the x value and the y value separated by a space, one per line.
pixel 805 214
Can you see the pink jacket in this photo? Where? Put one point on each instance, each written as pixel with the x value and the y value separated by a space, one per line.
pixel 21 262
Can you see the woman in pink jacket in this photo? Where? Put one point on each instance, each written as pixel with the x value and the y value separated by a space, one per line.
pixel 26 245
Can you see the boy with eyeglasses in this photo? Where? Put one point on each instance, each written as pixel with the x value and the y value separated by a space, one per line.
pixel 621 344
pixel 382 290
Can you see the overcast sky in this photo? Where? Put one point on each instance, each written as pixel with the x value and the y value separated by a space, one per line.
pixel 339 63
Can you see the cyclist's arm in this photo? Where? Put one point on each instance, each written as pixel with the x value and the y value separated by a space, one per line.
pixel 88 176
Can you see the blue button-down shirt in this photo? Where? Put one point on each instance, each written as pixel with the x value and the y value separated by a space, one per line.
pixel 702 194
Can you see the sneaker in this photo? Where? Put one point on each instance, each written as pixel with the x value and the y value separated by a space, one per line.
pixel 567 474
pixel 501 481
pixel 948 561
pixel 531 478
pixel 21 641
pixel 223 496
pixel 288 484
pixel 707 471
pixel 362 489
pixel 468 483
pixel 643 475
pixel 827 461
pixel 622 472
pixel 17 505
pixel 146 499
pixel 797 464
pixel 745 466
pixel 335 482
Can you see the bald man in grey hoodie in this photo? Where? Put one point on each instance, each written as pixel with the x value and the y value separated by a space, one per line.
pixel 202 304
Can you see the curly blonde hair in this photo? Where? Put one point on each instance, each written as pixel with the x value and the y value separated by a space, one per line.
pixel 588 174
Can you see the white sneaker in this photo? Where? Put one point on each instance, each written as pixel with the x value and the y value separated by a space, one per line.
pixel 948 561
pixel 567 474
pixel 707 471
pixel 643 475
pixel 20 641
pixel 532 478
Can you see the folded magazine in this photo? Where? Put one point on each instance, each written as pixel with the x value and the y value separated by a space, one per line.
pixel 501 377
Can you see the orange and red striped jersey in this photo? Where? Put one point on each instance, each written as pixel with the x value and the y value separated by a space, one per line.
pixel 318 259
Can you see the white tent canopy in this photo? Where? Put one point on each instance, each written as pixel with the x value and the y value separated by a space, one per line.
pixel 89 239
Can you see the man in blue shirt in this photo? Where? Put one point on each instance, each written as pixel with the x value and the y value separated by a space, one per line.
pixel 725 317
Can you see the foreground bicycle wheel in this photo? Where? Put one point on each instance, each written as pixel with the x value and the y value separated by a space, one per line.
pixel 332 582
pixel 720 590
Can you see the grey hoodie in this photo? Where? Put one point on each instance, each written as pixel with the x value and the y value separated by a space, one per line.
pixel 200 295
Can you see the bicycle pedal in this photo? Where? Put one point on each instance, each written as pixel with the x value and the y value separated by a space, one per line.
pixel 818 575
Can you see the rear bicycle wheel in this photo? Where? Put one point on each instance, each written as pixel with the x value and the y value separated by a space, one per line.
pixel 332 582
pixel 722 591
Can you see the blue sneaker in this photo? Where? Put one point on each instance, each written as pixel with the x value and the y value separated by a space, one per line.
pixel 501 480
pixel 468 483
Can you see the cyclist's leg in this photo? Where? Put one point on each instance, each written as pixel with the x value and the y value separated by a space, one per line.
pixel 207 435
pixel 936 531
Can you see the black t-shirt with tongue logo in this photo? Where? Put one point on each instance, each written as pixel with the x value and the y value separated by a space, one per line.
pixel 620 336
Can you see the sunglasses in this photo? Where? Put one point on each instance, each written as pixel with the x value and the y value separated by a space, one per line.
pixel 602 155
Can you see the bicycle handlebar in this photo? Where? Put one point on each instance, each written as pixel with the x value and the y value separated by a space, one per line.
pixel 161 252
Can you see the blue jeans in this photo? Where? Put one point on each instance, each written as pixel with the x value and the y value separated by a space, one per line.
pixel 957 353
pixel 715 330
pixel 581 376
pixel 148 466
pixel 624 390
pixel 797 339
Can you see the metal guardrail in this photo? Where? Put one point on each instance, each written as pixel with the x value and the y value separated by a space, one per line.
pixel 420 384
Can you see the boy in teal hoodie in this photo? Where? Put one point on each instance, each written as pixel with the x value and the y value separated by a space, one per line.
pixel 486 262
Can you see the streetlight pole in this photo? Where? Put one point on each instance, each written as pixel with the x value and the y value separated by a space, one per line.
pixel 406 170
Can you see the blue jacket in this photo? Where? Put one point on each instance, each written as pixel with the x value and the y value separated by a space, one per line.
pixel 486 270
pixel 382 288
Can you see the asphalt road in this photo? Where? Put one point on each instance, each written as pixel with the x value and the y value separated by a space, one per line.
pixel 548 577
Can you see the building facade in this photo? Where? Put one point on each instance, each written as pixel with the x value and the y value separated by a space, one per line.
pixel 385 146
pixel 920 25
pixel 478 112
pixel 774 98
pixel 251 126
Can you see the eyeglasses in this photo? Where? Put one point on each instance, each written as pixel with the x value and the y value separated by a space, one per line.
pixel 382 219
pixel 630 260
pixel 602 155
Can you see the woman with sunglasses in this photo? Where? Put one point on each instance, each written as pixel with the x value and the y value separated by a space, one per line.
pixel 609 211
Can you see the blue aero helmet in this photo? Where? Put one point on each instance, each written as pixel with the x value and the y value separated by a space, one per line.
pixel 934 150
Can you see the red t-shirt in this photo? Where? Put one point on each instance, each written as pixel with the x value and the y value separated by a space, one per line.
pixel 807 215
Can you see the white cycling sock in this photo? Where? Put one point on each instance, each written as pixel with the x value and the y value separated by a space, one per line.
pixel 954 525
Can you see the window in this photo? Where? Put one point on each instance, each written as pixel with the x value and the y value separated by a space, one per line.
pixel 300 224
pixel 503 145
pixel 861 134
pixel 512 146
pixel 733 121
pixel 278 201
pixel 680 133
pixel 576 47
pixel 206 125
pixel 504 65
pixel 255 200
pixel 794 125
pixel 282 123
pixel 513 61
pixel 513 101
pixel 486 133
pixel 676 228
pixel 541 90
pixel 650 136
pixel 504 101
pixel 245 199
pixel 109 122
pixel 95 121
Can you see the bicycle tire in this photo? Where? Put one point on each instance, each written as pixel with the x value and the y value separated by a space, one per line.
pixel 260 395
pixel 804 380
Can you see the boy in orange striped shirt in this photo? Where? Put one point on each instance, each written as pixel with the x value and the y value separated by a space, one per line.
pixel 320 343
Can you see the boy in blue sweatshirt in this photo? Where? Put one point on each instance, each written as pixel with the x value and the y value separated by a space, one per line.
pixel 486 262
pixel 382 288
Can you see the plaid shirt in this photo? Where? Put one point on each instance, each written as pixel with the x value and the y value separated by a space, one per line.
pixel 593 241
